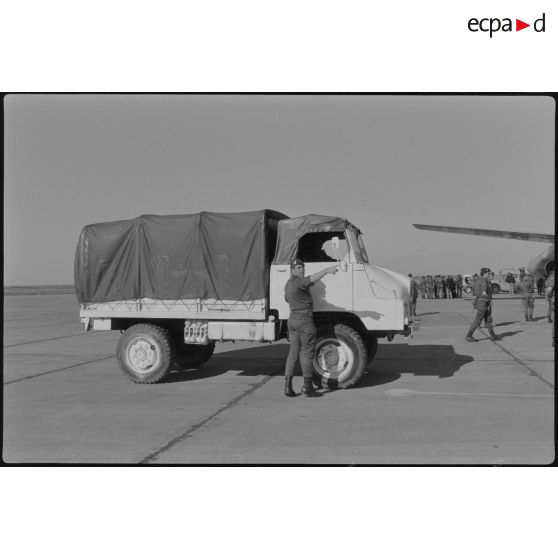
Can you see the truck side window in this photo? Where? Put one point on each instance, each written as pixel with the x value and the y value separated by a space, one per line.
pixel 317 247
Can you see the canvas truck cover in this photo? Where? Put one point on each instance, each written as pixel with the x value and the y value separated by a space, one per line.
pixel 291 230
pixel 222 256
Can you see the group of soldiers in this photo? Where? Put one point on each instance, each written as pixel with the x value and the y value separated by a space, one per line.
pixel 451 286
pixel 440 286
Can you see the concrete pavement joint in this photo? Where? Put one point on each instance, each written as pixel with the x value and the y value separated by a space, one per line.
pixel 57 370
pixel 155 455
pixel 42 340
pixel 516 359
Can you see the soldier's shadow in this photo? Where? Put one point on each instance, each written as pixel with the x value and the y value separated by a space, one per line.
pixel 509 333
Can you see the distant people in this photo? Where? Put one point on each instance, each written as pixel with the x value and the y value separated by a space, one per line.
pixel 526 286
pixel 458 281
pixel 510 280
pixel 482 302
pixel 430 286
pixel 449 285
pixel 414 295
pixel 439 286
pixel 421 283
pixel 521 273
pixel 540 286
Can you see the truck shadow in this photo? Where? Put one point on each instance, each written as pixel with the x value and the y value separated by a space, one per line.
pixel 419 360
pixel 391 362
pixel 253 361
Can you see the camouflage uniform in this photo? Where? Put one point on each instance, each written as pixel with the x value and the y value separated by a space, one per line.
pixel 429 286
pixel 439 286
pixel 450 287
pixel 482 302
pixel 422 285
pixel 458 280
pixel 527 298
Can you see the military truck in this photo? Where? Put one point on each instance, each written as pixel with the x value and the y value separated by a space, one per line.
pixel 176 285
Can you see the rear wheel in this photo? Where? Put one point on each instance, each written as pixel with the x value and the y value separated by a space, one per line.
pixel 193 355
pixel 340 357
pixel 145 353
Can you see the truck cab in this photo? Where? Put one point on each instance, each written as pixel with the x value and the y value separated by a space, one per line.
pixel 352 308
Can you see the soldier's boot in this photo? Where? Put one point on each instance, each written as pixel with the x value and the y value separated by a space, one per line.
pixel 469 337
pixel 289 391
pixel 308 388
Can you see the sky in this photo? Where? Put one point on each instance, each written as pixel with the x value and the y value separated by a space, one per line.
pixel 383 162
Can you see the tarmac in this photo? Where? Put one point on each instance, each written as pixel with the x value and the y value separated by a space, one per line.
pixel 432 399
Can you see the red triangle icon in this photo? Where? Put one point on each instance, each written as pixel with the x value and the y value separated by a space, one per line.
pixel 519 25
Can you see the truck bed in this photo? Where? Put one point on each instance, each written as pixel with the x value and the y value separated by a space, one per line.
pixel 201 309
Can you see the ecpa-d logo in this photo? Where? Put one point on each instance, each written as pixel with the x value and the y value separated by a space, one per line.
pixel 493 25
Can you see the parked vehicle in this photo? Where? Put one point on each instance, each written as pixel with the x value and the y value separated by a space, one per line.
pixel 467 283
pixel 175 285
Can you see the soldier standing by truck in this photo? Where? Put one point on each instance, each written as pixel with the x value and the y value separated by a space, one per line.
pixel 302 330
pixel 482 302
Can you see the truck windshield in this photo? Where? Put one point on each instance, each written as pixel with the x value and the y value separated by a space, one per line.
pixel 358 246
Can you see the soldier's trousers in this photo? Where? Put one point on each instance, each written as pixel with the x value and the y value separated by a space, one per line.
pixel 528 306
pixel 484 312
pixel 302 336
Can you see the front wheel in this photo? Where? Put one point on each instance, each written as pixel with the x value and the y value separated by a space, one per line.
pixel 145 353
pixel 340 357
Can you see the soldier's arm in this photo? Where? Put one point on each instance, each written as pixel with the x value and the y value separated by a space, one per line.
pixel 319 274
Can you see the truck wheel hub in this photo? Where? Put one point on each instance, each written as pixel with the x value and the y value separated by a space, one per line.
pixel 333 356
pixel 142 355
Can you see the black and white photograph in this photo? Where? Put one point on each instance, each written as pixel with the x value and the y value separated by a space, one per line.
pixel 279 279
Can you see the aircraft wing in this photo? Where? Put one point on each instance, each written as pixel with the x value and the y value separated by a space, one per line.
pixel 533 237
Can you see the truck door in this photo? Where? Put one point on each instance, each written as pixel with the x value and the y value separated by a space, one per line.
pixel 320 250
